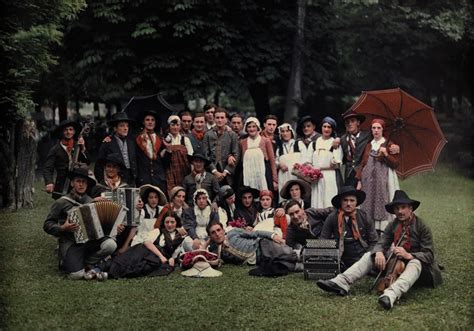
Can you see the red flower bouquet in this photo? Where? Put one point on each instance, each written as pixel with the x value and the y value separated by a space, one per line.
pixel 306 172
pixel 237 223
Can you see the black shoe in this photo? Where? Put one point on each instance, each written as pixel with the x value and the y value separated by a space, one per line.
pixel 329 286
pixel 384 301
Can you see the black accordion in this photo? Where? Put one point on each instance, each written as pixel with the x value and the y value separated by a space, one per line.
pixel 321 259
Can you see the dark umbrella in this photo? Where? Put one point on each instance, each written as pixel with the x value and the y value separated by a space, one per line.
pixel 138 105
pixel 410 123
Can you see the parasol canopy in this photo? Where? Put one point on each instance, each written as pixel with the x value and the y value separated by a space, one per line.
pixel 410 123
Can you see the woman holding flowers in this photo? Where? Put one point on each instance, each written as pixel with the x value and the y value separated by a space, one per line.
pixel 288 153
pixel 327 159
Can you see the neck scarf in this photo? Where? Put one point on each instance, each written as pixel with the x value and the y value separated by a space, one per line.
pixel 401 226
pixel 149 144
pixel 340 224
pixel 68 143
pixel 198 134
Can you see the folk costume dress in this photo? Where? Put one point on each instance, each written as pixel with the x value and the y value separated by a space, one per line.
pixel 288 153
pixel 258 163
pixel 324 156
pixel 178 163
pixel 379 181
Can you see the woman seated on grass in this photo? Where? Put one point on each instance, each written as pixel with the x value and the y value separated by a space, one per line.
pixel 155 257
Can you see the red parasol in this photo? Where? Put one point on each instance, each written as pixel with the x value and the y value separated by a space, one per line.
pixel 410 123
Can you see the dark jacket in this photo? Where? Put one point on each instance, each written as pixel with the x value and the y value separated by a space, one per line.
pixel 150 171
pixel 209 183
pixel 296 236
pixel 113 147
pixel 368 235
pixel 189 221
pixel 58 160
pixel 57 216
pixel 361 141
pixel 421 248
pixel 217 149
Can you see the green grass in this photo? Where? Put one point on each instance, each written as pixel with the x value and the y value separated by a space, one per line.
pixel 33 295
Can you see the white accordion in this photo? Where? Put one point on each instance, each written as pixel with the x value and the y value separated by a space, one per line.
pixel 127 197
pixel 96 220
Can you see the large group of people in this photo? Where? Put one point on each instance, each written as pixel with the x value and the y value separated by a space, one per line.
pixel 224 184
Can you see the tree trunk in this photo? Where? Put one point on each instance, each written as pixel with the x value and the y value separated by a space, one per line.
pixel 62 107
pixel 27 143
pixel 259 94
pixel 293 96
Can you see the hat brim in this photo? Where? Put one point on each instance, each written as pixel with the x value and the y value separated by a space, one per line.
pixel 360 195
pixel 299 127
pixel 90 181
pixel 147 188
pixel 390 206
pixel 304 186
pixel 255 192
pixel 192 158
pixel 201 269
pixel 360 117
pixel 58 132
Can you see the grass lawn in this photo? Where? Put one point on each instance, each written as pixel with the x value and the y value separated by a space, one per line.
pixel 33 295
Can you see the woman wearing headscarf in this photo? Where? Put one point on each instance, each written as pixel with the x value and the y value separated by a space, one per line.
pixel 289 151
pixel 377 177
pixel 258 160
pixel 328 159
pixel 195 220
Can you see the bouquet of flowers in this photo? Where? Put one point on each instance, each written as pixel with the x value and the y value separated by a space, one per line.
pixel 237 223
pixel 306 172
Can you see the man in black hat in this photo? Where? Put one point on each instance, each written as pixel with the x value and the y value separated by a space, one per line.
pixel 353 143
pixel 200 178
pixel 150 169
pixel 120 143
pixel 352 228
pixel 414 246
pixel 60 157
pixel 74 258
pixel 113 172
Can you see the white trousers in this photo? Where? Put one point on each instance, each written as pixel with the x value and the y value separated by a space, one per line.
pixel 362 267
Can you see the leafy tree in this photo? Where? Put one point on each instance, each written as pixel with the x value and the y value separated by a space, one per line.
pixel 29 30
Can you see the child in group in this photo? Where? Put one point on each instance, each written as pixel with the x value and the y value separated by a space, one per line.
pixel 266 219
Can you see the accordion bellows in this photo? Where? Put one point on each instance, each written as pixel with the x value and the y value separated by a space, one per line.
pixel 96 220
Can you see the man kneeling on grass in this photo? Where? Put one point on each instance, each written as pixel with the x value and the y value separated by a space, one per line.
pixel 73 258
pixel 410 240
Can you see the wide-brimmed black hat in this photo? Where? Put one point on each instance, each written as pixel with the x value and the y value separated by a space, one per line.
pixel 345 191
pixel 199 156
pixel 307 118
pixel 150 113
pixel 400 197
pixel 115 158
pixel 350 113
pixel 120 117
pixel 147 188
pixel 82 172
pixel 304 187
pixel 248 189
pixel 58 132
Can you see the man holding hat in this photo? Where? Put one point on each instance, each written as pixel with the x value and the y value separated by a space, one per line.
pixel 200 178
pixel 150 169
pixel 350 226
pixel 73 258
pixel 60 156
pixel 353 143
pixel 119 143
pixel 414 246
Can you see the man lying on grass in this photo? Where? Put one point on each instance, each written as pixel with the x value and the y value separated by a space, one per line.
pixel 73 258
pixel 413 246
